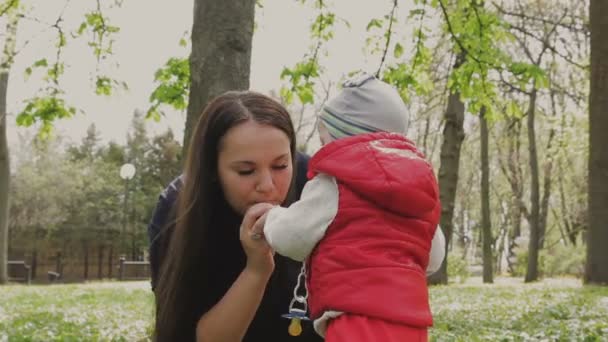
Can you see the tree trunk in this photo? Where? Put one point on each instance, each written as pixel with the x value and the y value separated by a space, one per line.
pixel 533 247
pixel 596 270
pixel 488 259
pixel 110 256
pixel 59 263
pixel 100 262
pixel 566 216
pixel 513 173
pixel 453 135
pixel 34 265
pixel 86 260
pixel 544 204
pixel 221 53
pixel 5 66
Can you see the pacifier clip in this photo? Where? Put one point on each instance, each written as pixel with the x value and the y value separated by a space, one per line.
pixel 297 315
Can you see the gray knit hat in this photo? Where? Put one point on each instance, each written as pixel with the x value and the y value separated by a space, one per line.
pixel 365 105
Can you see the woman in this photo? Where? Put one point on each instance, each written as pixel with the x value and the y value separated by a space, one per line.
pixel 218 281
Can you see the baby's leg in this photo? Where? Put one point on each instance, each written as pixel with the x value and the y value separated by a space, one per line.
pixel 356 328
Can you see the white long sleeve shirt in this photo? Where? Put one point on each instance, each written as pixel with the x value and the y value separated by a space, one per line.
pixel 295 231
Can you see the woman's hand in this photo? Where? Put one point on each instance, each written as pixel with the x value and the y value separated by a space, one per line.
pixel 260 257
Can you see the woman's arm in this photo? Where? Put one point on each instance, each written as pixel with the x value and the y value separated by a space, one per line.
pixel 230 318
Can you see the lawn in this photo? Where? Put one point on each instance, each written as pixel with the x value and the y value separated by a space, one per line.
pixel 553 310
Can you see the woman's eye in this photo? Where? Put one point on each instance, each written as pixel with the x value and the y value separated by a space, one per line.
pixel 280 167
pixel 245 172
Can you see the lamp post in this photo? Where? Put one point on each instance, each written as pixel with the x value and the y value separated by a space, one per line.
pixel 127 171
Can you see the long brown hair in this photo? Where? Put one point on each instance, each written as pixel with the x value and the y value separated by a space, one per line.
pixel 193 277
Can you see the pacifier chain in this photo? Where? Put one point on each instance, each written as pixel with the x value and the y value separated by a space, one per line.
pixel 297 315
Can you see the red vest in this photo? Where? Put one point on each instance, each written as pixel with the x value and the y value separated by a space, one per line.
pixel 373 258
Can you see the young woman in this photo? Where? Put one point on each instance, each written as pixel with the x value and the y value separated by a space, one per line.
pixel 217 280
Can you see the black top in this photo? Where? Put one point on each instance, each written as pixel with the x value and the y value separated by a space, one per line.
pixel 267 325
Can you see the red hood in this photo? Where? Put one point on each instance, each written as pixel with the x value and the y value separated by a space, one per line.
pixel 385 168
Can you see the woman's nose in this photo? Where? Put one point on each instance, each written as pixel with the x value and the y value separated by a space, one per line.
pixel 265 182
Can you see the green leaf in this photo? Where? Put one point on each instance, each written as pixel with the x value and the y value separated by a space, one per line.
pixel 374 23
pixel 82 27
pixel 306 95
pixel 398 50
pixel 286 95
pixel 103 86
pixel 416 12
pixel 41 63
pixel 25 120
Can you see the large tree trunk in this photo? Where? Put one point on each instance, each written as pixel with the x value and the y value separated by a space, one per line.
pixel 453 135
pixel 596 270
pixel 221 53
pixel 5 66
pixel 534 244
pixel 488 260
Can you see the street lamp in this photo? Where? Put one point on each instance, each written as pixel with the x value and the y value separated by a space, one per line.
pixel 127 171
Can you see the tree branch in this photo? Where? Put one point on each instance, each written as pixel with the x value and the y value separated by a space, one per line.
pixel 550 47
pixel 8 7
pixel 582 29
pixel 388 37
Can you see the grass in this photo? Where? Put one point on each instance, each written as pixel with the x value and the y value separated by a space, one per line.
pixel 553 310
pixel 85 312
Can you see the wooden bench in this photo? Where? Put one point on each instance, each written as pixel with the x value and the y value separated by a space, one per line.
pixel 142 270
pixel 19 271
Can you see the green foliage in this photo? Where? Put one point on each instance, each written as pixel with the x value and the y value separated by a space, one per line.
pixel 479 37
pixel 48 105
pixel 8 5
pixel 105 85
pixel 555 260
pixel 374 23
pixel 173 81
pixel 41 63
pixel 457 269
pixel 411 76
pixel 408 79
pixel 558 310
pixel 302 77
pixel 562 260
pixel 90 312
pixel 101 33
pixel 45 110
pixel 91 201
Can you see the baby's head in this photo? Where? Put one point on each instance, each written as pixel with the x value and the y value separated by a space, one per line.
pixel 364 105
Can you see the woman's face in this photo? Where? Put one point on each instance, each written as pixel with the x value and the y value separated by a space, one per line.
pixel 254 165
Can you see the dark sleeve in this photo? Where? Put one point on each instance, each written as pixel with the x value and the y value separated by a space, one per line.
pixel 301 170
pixel 159 229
